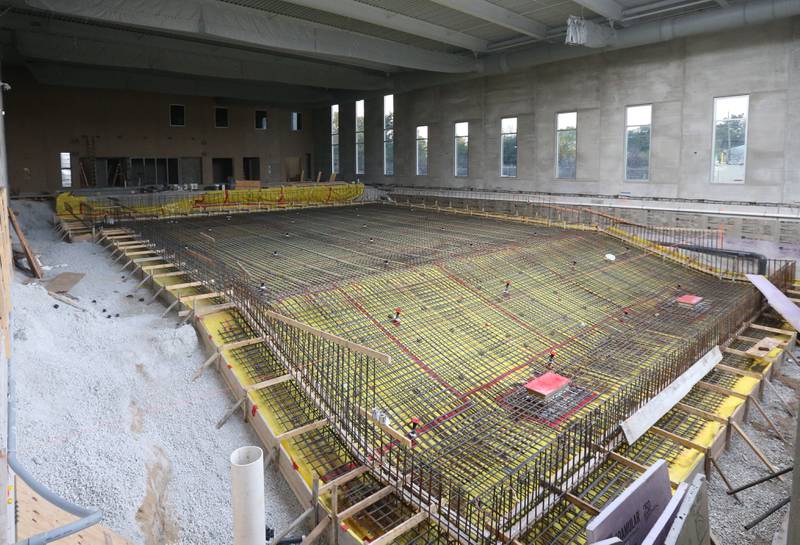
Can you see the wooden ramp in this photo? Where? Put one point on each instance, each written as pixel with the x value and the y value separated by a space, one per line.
pixel 37 515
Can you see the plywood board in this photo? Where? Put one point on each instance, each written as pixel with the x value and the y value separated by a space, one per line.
pixel 64 282
pixel 38 515
pixel 646 417
pixel 778 301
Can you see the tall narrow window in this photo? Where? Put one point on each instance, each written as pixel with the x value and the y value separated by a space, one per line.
pixel 461 167
pixel 177 115
pixel 508 146
pixel 566 144
pixel 335 138
pixel 638 120
pixel 730 139
pixel 388 135
pixel 66 168
pixel 261 120
pixel 297 121
pixel 359 137
pixel 422 150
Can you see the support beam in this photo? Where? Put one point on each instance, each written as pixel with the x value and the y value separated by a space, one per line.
pixel 311 426
pixel 492 13
pixel 400 529
pixel 397 21
pixel 342 479
pixel 363 504
pixel 232 24
pixel 607 8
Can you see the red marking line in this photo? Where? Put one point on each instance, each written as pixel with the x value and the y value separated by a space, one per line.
pixel 422 365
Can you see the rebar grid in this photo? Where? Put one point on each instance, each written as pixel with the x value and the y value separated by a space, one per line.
pixel 463 348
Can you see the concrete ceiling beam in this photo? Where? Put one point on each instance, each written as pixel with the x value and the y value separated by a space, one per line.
pixel 492 13
pixel 609 9
pixel 229 23
pixel 397 21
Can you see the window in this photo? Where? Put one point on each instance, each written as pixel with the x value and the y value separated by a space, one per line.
pixel 461 167
pixel 638 120
pixel 221 118
pixel 66 169
pixel 335 138
pixel 508 146
pixel 730 139
pixel 422 150
pixel 566 144
pixel 388 135
pixel 261 120
pixel 177 115
pixel 359 137
pixel 297 121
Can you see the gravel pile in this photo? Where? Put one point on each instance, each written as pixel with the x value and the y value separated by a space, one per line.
pixel 107 414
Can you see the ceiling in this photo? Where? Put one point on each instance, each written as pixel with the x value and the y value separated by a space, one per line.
pixel 310 51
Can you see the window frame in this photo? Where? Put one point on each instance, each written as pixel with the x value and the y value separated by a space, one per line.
pixel 557 134
pixel 227 117
pixel 62 169
pixel 169 113
pixel 455 149
pixel 298 126
pixel 363 134
pixel 266 120
pixel 714 138
pixel 502 142
pixel 625 145
pixel 386 130
pixel 335 147
pixel 417 140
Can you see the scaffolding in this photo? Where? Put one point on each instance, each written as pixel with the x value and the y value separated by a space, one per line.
pixel 459 313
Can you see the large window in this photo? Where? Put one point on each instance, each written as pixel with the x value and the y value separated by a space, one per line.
pixel 66 168
pixel 730 139
pixel 566 144
pixel 461 167
pixel 508 146
pixel 360 137
pixel 638 121
pixel 388 135
pixel 422 150
pixel 334 139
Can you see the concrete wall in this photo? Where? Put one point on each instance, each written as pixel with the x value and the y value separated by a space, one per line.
pixel 42 121
pixel 680 78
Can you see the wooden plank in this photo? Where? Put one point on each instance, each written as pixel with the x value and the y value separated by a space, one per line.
pixel 36 515
pixel 772 329
pixel 737 371
pixel 363 504
pixel 720 390
pixel 159 266
pixel 168 274
pixel 311 426
pixel 400 529
pixel 146 259
pixel 64 282
pixel 754 448
pixel 701 413
pixel 193 284
pixel 735 352
pixel 399 436
pixel 342 479
pixel 777 299
pixel 678 439
pixel 582 504
pixel 763 347
pixel 316 533
pixel 385 358
pixel 33 263
pixel 267 383
pixel 200 296
pixel 205 311
pixel 240 344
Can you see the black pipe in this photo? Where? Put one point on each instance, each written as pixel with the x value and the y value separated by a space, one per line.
pixel 761 480
pixel 762 259
pixel 770 511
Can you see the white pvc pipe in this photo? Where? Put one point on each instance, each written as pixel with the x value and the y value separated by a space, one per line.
pixel 247 488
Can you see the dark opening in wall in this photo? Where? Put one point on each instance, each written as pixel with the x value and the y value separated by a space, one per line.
pixel 252 168
pixel 222 170
pixel 221 118
pixel 261 119
pixel 177 115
